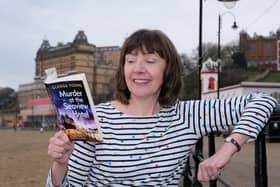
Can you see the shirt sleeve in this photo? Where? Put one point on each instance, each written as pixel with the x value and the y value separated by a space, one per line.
pixel 255 115
pixel 49 183
pixel 245 114
pixel 79 165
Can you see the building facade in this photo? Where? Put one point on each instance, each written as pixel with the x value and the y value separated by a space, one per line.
pixel 97 63
pixel 107 59
pixel 75 57
pixel 209 77
pixel 260 51
pixel 35 105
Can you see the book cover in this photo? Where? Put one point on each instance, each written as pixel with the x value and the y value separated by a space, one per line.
pixel 74 106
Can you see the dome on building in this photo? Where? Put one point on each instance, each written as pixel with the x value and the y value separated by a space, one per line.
pixel 45 45
pixel 80 38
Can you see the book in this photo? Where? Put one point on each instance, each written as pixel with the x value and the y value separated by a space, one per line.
pixel 70 96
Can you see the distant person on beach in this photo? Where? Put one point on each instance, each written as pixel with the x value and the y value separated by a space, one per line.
pixel 15 127
pixel 148 133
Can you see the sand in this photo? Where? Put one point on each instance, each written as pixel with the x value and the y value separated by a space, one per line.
pixel 24 161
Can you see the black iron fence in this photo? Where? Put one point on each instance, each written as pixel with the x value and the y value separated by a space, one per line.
pixel 271 134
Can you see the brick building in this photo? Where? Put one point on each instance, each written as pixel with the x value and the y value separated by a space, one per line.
pixel 98 63
pixel 107 59
pixel 260 51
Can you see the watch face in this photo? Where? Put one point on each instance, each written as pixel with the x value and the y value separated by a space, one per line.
pixel 228 139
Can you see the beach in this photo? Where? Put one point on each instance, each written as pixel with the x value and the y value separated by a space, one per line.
pixel 24 161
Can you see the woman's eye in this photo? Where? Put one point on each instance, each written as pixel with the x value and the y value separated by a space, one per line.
pixel 129 61
pixel 151 61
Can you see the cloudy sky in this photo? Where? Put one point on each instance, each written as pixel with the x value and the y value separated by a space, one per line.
pixel 25 23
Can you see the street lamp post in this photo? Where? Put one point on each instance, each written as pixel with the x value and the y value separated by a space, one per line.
pixel 199 144
pixel 234 26
pixel 211 137
pixel 260 146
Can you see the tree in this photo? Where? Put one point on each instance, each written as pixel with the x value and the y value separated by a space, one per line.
pixel 7 99
pixel 226 54
pixel 208 50
pixel 211 50
pixel 239 60
pixel 188 63
pixel 8 106
pixel 190 89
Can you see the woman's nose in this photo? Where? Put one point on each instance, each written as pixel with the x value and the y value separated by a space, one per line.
pixel 139 65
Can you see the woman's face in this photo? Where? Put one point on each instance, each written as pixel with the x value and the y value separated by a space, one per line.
pixel 144 74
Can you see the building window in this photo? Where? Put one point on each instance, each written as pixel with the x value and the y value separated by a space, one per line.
pixel 268 49
pixel 72 65
pixel 253 49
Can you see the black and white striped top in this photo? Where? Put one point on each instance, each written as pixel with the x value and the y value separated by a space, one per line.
pixel 152 150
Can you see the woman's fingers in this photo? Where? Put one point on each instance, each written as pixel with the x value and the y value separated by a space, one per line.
pixel 208 172
pixel 60 147
pixel 209 169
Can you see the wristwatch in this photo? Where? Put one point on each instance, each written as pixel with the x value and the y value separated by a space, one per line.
pixel 231 140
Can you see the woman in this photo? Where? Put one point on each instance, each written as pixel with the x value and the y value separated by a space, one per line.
pixel 148 133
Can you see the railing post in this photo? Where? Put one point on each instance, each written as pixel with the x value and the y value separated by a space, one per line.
pixel 199 144
pixel 260 161
pixel 197 157
pixel 188 174
pixel 211 151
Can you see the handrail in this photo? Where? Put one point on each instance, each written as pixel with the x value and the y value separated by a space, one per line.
pixel 260 161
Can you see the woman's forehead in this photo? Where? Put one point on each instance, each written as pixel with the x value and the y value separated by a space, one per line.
pixel 143 50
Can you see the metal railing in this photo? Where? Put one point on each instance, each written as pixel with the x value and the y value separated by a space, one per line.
pixel 260 160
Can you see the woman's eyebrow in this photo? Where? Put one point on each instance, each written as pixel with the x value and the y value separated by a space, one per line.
pixel 153 54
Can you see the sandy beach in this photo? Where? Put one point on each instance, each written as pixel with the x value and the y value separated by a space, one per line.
pixel 24 161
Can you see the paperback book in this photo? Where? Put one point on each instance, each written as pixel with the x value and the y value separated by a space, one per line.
pixel 74 106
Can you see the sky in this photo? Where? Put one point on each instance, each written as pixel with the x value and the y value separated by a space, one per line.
pixel 25 23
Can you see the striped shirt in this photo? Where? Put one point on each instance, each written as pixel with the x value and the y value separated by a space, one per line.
pixel 153 150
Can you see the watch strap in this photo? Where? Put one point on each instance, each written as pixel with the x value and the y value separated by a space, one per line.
pixel 231 140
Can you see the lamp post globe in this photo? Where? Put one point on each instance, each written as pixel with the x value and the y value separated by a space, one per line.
pixel 229 4
pixel 234 25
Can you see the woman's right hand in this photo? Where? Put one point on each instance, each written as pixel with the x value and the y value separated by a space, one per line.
pixel 60 148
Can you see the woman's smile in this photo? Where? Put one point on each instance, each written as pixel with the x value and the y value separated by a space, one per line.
pixel 141 81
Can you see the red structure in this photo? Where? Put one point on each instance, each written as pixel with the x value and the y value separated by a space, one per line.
pixel 38 102
pixel 261 52
pixel 211 83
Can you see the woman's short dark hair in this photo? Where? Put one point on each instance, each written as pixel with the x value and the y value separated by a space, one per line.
pixel 152 41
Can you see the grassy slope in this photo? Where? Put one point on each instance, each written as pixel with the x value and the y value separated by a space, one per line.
pixel 272 77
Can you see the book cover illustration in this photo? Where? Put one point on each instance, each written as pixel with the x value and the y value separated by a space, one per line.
pixel 74 107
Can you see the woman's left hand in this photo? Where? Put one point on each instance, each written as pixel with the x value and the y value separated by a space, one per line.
pixel 210 168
